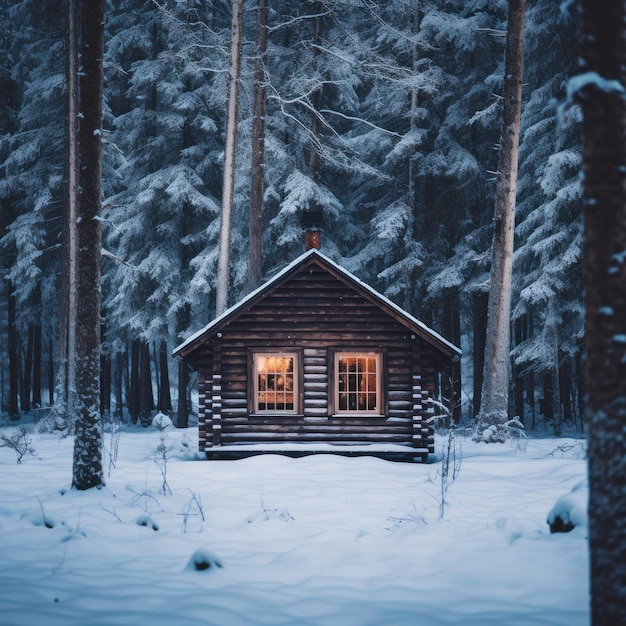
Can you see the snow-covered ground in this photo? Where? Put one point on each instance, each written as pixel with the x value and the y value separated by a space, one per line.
pixel 318 540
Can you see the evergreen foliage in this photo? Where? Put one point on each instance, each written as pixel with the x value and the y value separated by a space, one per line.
pixel 383 115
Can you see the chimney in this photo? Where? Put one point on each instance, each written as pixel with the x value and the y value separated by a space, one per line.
pixel 312 222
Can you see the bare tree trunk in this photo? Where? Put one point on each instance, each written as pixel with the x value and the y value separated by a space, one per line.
pixel 257 173
pixel 62 412
pixel 26 388
pixel 479 309
pixel 134 382
pixel 87 468
pixel 119 384
pixel 228 188
pixel 146 399
pixel 182 408
pixel 165 398
pixel 495 391
pixel 37 366
pixel 14 370
pixel 602 90
pixel 316 97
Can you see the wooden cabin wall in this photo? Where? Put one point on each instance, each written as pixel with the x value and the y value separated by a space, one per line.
pixel 316 314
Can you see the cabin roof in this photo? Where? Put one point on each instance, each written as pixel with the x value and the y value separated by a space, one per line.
pixel 316 257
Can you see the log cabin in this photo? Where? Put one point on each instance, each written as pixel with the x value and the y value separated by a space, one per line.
pixel 316 361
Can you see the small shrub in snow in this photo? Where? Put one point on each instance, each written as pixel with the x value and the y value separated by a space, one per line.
pixel 577 450
pixel 20 442
pixel 510 431
pixel 570 510
pixel 162 422
pixel 161 458
pixel 145 520
pixel 194 503
pixel 202 560
pixel 450 467
pixel 267 514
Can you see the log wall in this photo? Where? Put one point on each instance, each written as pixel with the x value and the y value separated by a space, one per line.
pixel 316 314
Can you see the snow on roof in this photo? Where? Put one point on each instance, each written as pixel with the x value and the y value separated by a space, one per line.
pixel 342 271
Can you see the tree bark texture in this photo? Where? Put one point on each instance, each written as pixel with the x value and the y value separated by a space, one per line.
pixel 67 335
pixel 228 188
pixel 87 469
pixel 14 370
pixel 495 390
pixel 602 96
pixel 257 174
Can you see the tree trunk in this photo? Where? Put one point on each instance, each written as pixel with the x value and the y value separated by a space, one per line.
pixel 119 385
pixel 87 468
pixel 257 172
pixel 37 366
pixel 602 94
pixel 182 410
pixel 316 96
pixel 14 370
pixel 146 399
pixel 165 398
pixel 133 383
pixel 518 376
pixel 479 308
pixel 228 188
pixel 62 412
pixel 495 390
pixel 27 371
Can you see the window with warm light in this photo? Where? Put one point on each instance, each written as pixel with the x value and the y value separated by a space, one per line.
pixel 358 383
pixel 275 383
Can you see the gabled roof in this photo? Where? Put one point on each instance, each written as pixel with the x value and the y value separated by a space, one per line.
pixel 316 257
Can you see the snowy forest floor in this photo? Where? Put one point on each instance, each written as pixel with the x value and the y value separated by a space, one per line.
pixel 318 540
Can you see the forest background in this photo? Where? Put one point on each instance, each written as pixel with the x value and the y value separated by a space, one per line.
pixel 383 115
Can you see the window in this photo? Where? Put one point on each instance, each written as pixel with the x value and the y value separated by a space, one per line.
pixel 275 378
pixel 358 383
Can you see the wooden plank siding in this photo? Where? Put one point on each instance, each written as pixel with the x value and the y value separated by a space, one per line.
pixel 315 312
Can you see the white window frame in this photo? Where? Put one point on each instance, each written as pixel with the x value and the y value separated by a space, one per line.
pixel 255 381
pixel 378 411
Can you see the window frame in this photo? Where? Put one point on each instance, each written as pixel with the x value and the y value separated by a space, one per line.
pixel 333 383
pixel 253 390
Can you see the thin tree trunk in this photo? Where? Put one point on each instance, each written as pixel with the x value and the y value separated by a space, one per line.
pixel 228 188
pixel 133 383
pixel 27 371
pixel 518 376
pixel 62 413
pixel 37 366
pixel 495 391
pixel 50 368
pixel 257 172
pixel 87 467
pixel 14 370
pixel 165 398
pixel 65 393
pixel 146 399
pixel 316 97
pixel 182 409
pixel 119 385
pixel 602 90
pixel 479 307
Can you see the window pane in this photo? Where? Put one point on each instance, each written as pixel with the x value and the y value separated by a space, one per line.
pixel 357 381
pixel 275 383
